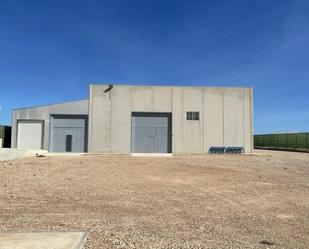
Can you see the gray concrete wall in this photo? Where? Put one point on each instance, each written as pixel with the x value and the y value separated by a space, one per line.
pixel 225 116
pixel 43 113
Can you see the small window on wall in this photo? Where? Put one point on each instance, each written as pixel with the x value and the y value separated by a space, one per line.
pixel 193 116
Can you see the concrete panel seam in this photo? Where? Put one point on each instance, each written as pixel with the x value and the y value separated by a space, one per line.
pixel 172 135
pixel 251 118
pixel 243 118
pixel 223 107
pixel 202 122
pixel 182 119
pixel 110 121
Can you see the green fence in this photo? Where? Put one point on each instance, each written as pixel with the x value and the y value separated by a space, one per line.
pixel 5 136
pixel 286 141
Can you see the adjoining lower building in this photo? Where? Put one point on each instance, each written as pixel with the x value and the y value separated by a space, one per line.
pixel 140 119
pixel 56 128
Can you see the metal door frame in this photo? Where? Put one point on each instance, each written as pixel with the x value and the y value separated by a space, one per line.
pixel 169 116
pixel 41 121
pixel 66 143
pixel 68 116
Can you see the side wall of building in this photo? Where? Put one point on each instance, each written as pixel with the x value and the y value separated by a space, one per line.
pixel 43 113
pixel 225 116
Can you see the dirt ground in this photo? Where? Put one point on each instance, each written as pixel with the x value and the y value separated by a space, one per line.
pixel 206 201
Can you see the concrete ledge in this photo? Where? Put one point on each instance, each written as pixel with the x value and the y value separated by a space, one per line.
pixel 12 154
pixel 106 154
pixel 152 154
pixel 68 154
pixel 42 240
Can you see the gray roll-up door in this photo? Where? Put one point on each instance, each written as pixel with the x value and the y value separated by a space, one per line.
pixel 68 133
pixel 151 133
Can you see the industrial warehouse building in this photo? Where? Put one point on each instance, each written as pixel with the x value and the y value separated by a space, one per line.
pixel 139 119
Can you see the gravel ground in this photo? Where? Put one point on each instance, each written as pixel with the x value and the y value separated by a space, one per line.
pixel 206 201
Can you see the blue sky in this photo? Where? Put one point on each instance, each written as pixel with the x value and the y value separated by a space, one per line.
pixel 51 50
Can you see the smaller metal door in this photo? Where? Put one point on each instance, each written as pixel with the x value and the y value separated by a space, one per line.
pixel 68 143
pixel 68 133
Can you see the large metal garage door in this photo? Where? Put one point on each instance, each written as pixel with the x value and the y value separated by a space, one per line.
pixel 151 132
pixel 29 135
pixel 68 133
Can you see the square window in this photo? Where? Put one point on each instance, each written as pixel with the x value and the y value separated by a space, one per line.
pixel 193 116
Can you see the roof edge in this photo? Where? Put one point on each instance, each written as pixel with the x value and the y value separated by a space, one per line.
pixel 165 85
pixel 58 103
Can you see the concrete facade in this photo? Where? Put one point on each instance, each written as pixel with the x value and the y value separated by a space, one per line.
pixel 225 116
pixel 43 114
